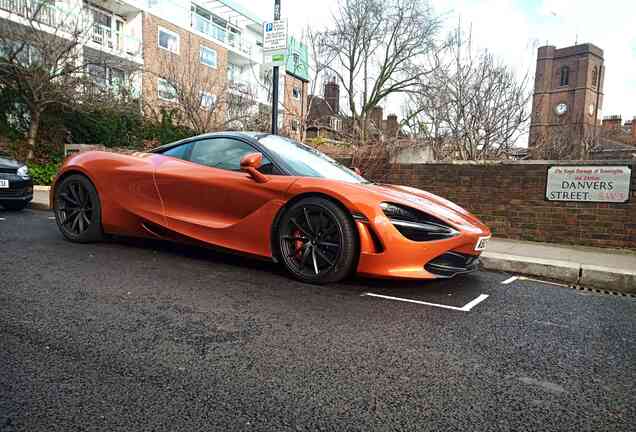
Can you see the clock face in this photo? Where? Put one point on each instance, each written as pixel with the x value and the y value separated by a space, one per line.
pixel 561 109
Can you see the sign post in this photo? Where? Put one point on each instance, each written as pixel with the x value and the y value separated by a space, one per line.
pixel 274 50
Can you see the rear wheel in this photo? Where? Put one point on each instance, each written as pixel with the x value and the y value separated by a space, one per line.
pixel 317 241
pixel 77 209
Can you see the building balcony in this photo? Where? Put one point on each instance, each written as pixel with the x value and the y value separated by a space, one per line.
pixel 223 35
pixel 115 41
pixel 36 10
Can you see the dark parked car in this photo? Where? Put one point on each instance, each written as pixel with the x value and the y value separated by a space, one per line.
pixel 16 186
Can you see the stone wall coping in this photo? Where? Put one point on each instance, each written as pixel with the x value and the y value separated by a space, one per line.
pixel 631 162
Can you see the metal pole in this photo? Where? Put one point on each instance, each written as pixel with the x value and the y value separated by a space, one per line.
pixel 275 80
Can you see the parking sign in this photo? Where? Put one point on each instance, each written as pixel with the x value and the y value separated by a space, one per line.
pixel 275 35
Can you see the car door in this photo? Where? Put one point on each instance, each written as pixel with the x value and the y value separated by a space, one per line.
pixel 208 198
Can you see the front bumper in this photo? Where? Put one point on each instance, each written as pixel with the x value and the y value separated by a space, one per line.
pixel 384 252
pixel 19 189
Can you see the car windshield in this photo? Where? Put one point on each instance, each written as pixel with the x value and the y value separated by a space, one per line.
pixel 306 161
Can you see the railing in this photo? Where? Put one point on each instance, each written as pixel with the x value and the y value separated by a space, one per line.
pixel 36 10
pixel 215 31
pixel 114 40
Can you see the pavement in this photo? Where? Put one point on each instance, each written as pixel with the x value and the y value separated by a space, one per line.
pixel 144 335
pixel 573 265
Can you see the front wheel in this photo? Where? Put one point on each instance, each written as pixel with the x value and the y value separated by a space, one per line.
pixel 317 241
pixel 77 209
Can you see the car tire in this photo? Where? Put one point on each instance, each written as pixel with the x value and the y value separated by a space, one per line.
pixel 14 205
pixel 316 241
pixel 78 209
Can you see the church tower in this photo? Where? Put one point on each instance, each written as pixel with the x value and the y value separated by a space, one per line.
pixel 568 98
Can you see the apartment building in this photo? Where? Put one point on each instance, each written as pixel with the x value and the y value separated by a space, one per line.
pixel 157 42
pixel 114 29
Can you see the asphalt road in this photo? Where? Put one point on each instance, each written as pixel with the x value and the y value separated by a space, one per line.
pixel 136 336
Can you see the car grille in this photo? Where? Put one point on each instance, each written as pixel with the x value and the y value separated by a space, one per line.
pixel 452 263
pixel 8 170
pixel 14 192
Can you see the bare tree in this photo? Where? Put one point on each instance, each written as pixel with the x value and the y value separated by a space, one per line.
pixel 566 140
pixel 202 97
pixel 381 48
pixel 42 58
pixel 473 107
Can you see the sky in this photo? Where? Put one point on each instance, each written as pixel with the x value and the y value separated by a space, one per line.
pixel 514 29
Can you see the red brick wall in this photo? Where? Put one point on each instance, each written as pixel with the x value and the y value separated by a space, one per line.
pixel 509 197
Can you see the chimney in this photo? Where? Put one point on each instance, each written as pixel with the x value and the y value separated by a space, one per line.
pixel 612 122
pixel 376 117
pixel 332 95
pixel 391 125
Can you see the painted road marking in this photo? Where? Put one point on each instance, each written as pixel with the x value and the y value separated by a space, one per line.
pixel 1 219
pixel 466 308
pixel 515 278
pixel 52 217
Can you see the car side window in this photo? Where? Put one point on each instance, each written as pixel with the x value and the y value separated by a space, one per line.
pixel 225 153
pixel 180 151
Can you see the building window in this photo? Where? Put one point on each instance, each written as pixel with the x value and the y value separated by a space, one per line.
pixel 207 100
pixel 334 123
pixel 295 125
pixel 565 76
pixel 166 91
pixel 594 76
pixel 208 56
pixel 168 40
pixel 296 93
pixel 296 58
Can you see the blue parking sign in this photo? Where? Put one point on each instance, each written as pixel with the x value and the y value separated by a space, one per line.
pixel 269 27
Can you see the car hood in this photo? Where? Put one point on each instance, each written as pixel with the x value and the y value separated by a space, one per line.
pixel 9 164
pixel 428 203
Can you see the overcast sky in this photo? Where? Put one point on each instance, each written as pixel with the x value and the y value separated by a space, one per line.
pixel 513 29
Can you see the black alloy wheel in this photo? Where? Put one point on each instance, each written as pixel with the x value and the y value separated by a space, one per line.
pixel 77 209
pixel 317 242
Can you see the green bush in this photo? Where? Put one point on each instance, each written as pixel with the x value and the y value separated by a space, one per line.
pixel 43 174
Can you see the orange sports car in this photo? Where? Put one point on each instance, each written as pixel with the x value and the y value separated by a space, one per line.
pixel 272 197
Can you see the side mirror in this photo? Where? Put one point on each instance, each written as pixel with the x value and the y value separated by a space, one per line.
pixel 250 163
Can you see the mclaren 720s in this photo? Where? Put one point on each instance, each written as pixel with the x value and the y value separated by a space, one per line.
pixel 267 196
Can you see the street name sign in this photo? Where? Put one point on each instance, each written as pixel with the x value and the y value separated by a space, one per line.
pixel 589 183
pixel 275 35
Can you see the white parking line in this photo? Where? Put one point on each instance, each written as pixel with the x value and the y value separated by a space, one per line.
pixel 521 278
pixel 466 308
pixel 510 280
pixel 52 217
pixel 1 219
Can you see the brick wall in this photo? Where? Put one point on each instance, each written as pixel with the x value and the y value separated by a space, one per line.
pixel 155 59
pixel 294 108
pixel 509 197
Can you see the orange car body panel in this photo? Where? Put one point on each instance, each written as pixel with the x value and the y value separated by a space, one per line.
pixel 231 210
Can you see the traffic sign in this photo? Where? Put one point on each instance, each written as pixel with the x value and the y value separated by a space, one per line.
pixel 275 35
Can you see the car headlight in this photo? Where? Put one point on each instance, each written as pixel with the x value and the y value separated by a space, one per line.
pixel 23 172
pixel 416 225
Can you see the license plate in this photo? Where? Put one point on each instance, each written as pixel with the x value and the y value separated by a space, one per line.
pixel 481 243
pixel 4 184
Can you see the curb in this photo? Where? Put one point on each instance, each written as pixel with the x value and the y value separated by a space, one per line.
pixel 40 204
pixel 572 273
pixel 560 270
pixel 600 277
